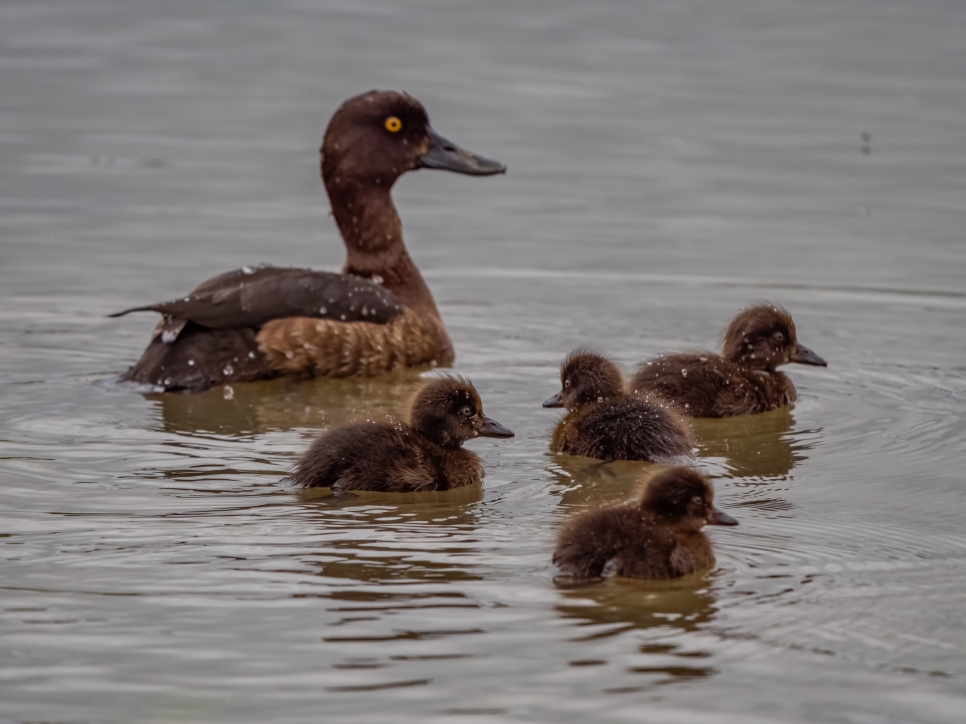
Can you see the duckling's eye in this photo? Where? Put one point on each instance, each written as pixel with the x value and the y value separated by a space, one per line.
pixel 778 337
pixel 697 500
pixel 393 124
pixel 466 412
pixel 566 383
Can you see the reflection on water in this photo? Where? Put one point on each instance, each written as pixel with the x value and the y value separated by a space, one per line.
pixel 365 534
pixel 284 404
pixel 754 446
pixel 584 481
pixel 685 604
pixel 665 609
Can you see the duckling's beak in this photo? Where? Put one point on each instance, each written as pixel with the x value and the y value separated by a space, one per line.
pixel 803 355
pixel 491 428
pixel 719 517
pixel 447 156
pixel 555 401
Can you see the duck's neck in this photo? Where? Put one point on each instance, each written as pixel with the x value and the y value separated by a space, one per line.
pixel 374 244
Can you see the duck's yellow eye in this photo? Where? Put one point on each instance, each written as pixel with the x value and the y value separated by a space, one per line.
pixel 393 124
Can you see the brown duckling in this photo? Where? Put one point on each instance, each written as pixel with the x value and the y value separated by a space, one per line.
pixel 377 315
pixel 398 458
pixel 743 380
pixel 606 422
pixel 657 537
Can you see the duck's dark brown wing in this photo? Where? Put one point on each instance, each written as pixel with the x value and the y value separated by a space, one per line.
pixel 251 296
pixel 209 337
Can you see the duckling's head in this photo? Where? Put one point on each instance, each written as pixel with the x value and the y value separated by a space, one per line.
pixel 376 137
pixel 448 411
pixel 683 499
pixel 763 337
pixel 586 376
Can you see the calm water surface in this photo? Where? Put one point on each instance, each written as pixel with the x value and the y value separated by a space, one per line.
pixel 669 162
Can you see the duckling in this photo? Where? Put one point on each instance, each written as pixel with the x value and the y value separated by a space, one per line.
pixel 605 422
pixel 657 537
pixel 398 458
pixel 743 380
pixel 377 315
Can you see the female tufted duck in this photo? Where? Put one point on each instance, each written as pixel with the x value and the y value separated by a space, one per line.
pixel 606 422
pixel 378 314
pixel 657 537
pixel 743 379
pixel 398 458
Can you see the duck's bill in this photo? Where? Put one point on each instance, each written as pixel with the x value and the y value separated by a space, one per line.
pixel 491 428
pixel 447 156
pixel 555 401
pixel 804 356
pixel 719 517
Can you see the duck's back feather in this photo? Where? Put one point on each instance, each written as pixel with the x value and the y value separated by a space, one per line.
pixel 627 428
pixel 365 456
pixel 618 541
pixel 708 385
pixel 609 540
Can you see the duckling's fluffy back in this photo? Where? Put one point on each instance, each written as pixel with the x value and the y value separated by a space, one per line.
pixel 616 541
pixel 626 428
pixel 705 384
pixel 384 458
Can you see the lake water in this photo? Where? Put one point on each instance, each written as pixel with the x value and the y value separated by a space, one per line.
pixel 668 163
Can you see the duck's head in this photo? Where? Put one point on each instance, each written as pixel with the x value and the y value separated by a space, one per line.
pixel 763 337
pixel 682 499
pixel 448 411
pixel 586 376
pixel 376 137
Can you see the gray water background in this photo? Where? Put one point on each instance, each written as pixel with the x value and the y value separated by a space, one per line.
pixel 668 163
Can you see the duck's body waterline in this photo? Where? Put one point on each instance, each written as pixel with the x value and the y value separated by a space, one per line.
pixel 377 315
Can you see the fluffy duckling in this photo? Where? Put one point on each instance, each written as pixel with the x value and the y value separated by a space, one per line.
pixel 398 458
pixel 657 537
pixel 743 380
pixel 605 422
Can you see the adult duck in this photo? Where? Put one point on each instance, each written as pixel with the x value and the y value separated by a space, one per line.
pixel 743 379
pixel 377 315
